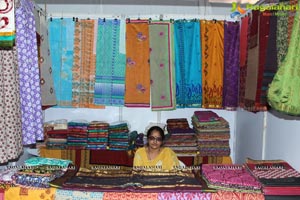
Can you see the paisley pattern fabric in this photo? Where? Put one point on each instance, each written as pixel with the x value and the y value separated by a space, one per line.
pixel 7 27
pixel 183 196
pixel 30 90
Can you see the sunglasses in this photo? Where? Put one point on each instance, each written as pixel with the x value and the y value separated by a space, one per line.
pixel 158 139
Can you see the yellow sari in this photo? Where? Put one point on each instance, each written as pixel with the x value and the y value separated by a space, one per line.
pixel 166 160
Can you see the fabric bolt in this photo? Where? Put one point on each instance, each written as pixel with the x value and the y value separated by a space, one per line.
pixel 252 63
pixel 7 29
pixel 291 18
pixel 30 91
pixel 73 194
pixel 244 37
pixel 20 193
pixel 283 94
pixel 231 64
pixel 61 40
pixel 188 63
pixel 110 64
pixel 44 60
pixel 166 160
pixel 212 35
pixel 137 76
pixel 10 110
pixel 84 64
pixel 161 66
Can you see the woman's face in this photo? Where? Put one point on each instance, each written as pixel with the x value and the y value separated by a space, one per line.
pixel 154 140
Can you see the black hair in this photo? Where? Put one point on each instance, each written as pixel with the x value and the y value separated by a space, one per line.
pixel 158 129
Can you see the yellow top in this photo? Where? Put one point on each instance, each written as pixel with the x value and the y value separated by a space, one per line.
pixel 166 160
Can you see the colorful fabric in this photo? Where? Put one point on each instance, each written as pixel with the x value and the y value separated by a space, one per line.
pixel 166 160
pixel 30 91
pixel 20 193
pixel 245 34
pixel 283 92
pixel 212 36
pixel 129 196
pixel 252 63
pixel 225 195
pixel 188 63
pixel 231 65
pixel 44 60
pixel 110 64
pixel 10 110
pixel 84 65
pixel 61 40
pixel 137 78
pixel 35 161
pixel 73 194
pixel 161 66
pixel 184 196
pixel 7 28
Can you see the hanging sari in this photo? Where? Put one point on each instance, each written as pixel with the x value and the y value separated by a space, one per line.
pixel 30 91
pixel 10 110
pixel 188 63
pixel 245 34
pixel 212 35
pixel 231 64
pixel 44 60
pixel 161 66
pixel 61 40
pixel 137 78
pixel 84 66
pixel 283 94
pixel 110 64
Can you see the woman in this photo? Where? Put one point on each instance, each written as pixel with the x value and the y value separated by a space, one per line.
pixel 154 155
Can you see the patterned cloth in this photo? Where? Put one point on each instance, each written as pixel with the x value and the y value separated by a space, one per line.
pixel 7 28
pixel 129 196
pixel 84 65
pixel 19 193
pixel 61 40
pixel 44 60
pixel 10 111
pixel 82 195
pixel 137 78
pixel 110 64
pixel 183 196
pixel 161 66
pixel 224 195
pixel 283 93
pixel 31 101
pixel 212 36
pixel 231 64
pixel 188 63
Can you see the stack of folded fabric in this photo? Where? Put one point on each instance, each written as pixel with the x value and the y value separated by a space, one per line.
pixel 118 136
pixel 230 177
pixel 97 135
pixel 212 132
pixel 39 172
pixel 278 178
pixel 77 136
pixel 181 138
pixel 56 134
